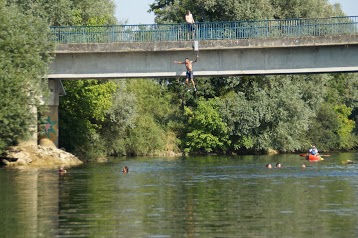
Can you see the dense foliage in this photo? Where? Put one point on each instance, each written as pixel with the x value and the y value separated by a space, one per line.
pixel 170 11
pixel 24 58
pixel 69 12
pixel 116 118
pixel 83 112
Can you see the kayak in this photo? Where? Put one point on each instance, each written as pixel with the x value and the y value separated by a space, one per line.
pixel 312 158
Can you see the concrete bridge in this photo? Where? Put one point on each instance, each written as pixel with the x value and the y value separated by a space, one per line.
pixel 225 48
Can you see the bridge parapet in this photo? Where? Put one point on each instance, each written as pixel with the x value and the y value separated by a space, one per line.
pixel 206 31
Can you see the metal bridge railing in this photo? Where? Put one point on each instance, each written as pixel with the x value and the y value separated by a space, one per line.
pixel 206 31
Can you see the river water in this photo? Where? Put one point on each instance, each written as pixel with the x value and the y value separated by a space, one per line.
pixel 184 197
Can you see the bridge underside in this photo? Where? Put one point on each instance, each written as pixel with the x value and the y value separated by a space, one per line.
pixel 212 61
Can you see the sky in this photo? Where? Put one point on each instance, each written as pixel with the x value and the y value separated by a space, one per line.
pixel 135 11
pixel 350 7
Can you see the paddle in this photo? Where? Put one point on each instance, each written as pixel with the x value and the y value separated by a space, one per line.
pixel 320 155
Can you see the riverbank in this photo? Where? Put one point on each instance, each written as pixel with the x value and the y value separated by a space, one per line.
pixel 44 155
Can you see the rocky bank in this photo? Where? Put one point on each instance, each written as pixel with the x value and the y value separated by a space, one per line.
pixel 43 155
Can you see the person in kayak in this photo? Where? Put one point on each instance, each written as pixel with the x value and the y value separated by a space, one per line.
pixel 313 151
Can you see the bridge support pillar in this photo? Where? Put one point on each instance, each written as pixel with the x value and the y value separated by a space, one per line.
pixel 49 125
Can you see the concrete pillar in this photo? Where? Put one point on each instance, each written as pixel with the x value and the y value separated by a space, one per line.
pixel 49 124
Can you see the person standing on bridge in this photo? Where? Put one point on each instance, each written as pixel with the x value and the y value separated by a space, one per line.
pixel 190 21
pixel 189 70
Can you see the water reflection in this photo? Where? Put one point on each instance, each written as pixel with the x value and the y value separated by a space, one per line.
pixel 184 197
pixel 29 202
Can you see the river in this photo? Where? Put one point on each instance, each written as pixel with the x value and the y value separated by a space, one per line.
pixel 213 196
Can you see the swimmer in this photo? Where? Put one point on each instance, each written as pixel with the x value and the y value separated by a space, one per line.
pixel 125 169
pixel 62 170
pixel 348 161
pixel 269 166
pixel 278 165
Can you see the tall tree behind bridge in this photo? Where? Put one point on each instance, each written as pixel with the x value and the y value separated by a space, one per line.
pixel 227 10
pixel 69 12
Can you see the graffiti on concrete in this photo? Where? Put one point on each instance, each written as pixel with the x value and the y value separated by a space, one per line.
pixel 48 128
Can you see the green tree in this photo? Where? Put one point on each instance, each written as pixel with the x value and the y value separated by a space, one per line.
pixel 206 131
pixel 54 12
pixel 93 12
pixel 227 10
pixel 24 58
pixel 305 9
pixel 343 88
pixel 146 138
pixel 332 97
pixel 267 114
pixel 152 133
pixel 345 127
pixel 82 113
pixel 331 129
pixel 120 118
pixel 69 12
